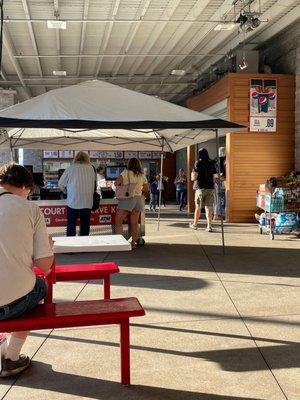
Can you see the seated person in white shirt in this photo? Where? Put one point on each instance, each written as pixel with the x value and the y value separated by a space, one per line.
pixel 24 242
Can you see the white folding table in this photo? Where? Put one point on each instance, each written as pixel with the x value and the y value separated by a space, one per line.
pixel 88 244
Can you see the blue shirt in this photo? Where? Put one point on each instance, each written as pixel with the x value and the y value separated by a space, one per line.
pixel 153 188
pixel 79 180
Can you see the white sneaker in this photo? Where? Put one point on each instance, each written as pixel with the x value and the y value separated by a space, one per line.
pixel 209 229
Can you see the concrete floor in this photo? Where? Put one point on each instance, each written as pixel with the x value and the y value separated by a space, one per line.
pixel 217 327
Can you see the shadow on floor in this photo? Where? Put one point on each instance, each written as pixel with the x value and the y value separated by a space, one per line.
pixel 189 257
pixel 41 376
pixel 159 282
pixel 236 360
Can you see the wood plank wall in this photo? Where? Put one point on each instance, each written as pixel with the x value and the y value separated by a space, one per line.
pixel 253 157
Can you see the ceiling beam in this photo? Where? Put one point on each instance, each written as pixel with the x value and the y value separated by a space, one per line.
pixel 82 35
pixel 49 83
pixel 107 34
pixel 129 39
pixel 57 32
pixel 189 47
pixel 10 51
pixel 179 34
pixel 118 55
pixel 32 35
pixel 120 20
pixel 156 32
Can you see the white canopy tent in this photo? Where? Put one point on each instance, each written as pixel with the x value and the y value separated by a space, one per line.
pixel 97 115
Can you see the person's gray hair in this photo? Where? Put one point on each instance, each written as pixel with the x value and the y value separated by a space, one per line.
pixel 82 158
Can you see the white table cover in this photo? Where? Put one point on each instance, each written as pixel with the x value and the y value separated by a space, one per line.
pixel 86 244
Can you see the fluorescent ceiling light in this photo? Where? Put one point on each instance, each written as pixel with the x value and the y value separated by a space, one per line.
pixel 60 73
pixel 178 72
pixel 56 24
pixel 224 27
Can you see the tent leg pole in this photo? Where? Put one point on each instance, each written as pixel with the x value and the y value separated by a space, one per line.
pixel 219 190
pixel 160 185
pixel 11 152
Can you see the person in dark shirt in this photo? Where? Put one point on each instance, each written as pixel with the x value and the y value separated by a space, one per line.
pixel 153 195
pixel 204 171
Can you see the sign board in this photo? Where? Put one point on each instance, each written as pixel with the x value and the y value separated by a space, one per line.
pixel 56 215
pixel 106 154
pixel 50 153
pixel 263 105
pixel 130 154
pixel 145 155
pixel 157 155
pixel 66 153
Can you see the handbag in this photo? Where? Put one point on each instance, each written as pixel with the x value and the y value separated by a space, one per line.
pixel 96 195
pixel 126 190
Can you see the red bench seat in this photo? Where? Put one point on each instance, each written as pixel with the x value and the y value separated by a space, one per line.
pixel 83 313
pixel 77 272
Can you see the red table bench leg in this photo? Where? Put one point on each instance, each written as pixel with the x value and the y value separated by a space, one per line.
pixel 106 286
pixel 50 279
pixel 125 352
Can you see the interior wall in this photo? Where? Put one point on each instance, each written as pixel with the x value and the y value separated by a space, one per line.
pixel 181 159
pixel 253 157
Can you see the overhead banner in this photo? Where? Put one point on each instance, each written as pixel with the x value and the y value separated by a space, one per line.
pixel 263 105
pixel 106 154
pixel 50 153
pixel 66 153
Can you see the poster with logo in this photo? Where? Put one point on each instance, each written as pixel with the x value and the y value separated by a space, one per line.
pixel 263 105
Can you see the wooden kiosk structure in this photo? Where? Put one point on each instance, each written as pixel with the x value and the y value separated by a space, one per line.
pixel 251 157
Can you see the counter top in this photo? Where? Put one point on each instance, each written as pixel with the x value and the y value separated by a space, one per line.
pixel 47 203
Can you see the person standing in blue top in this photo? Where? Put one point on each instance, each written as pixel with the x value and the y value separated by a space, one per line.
pixel 79 180
pixel 180 184
pixel 153 194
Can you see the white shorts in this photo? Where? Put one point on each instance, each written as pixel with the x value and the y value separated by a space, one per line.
pixel 134 203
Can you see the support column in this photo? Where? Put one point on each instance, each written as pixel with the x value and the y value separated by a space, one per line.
pixel 191 159
pixel 7 99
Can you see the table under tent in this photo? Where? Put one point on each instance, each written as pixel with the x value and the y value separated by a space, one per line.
pixel 97 115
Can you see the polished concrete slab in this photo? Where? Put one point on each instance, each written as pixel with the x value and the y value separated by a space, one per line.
pixel 217 327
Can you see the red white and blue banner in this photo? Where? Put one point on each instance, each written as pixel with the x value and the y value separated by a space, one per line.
pixel 263 105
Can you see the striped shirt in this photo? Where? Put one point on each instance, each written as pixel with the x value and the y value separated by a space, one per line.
pixel 79 180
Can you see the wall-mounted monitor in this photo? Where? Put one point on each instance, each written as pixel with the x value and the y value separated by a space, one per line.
pixel 113 171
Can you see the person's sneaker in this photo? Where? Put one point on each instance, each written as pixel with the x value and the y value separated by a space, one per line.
pixel 10 368
pixel 192 226
pixel 209 229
